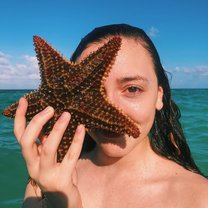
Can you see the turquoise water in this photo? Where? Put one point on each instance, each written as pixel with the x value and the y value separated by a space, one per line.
pixel 13 174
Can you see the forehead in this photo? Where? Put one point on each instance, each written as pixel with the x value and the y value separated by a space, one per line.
pixel 127 43
pixel 132 59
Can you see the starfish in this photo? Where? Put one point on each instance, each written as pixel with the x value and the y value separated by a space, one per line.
pixel 77 88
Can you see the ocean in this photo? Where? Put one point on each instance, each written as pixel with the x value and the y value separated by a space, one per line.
pixel 193 104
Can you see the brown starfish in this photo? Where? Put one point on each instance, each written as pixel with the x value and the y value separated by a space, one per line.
pixel 77 88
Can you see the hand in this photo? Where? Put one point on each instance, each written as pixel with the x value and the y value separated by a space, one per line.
pixel 54 179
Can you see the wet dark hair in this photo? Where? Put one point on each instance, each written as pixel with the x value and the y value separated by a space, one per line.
pixel 166 136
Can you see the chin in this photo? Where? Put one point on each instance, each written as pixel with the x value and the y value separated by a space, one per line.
pixel 112 144
pixel 114 150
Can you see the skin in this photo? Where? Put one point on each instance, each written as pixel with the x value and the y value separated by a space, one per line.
pixel 120 171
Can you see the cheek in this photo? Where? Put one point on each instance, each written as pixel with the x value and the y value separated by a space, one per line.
pixel 141 112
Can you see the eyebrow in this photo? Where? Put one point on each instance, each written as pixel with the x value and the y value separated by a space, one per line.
pixel 123 80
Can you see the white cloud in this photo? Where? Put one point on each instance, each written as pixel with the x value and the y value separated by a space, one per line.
pixel 18 75
pixel 153 32
pixel 3 58
pixel 200 70
pixel 189 77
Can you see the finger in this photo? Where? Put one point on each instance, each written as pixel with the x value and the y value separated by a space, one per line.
pixel 74 151
pixel 49 149
pixel 28 140
pixel 20 120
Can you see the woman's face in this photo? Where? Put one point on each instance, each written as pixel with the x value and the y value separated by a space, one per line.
pixel 132 85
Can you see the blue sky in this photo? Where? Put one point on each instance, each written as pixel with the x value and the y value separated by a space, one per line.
pixel 179 29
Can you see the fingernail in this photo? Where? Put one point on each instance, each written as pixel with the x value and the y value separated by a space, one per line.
pixel 47 110
pixel 64 116
pixel 20 102
pixel 80 128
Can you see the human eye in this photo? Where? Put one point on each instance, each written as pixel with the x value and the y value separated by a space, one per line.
pixel 132 91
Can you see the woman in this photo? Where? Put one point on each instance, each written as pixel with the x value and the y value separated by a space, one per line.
pixel 153 170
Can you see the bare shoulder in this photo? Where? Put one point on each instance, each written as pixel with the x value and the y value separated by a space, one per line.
pixel 199 186
pixel 183 187
pixel 193 188
pixel 196 180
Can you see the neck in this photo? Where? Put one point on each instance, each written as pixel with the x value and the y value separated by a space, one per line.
pixel 139 156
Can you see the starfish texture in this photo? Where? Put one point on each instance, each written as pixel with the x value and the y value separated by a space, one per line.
pixel 77 88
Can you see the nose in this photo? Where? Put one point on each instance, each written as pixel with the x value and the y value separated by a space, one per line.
pixel 111 93
pixel 110 96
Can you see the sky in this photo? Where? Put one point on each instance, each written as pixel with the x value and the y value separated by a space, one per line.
pixel 178 28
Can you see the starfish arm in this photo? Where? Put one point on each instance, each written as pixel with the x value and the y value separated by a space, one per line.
pixel 98 61
pixel 58 73
pixel 52 64
pixel 116 120
pixel 98 113
pixel 34 106
pixel 66 141
pixel 11 110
